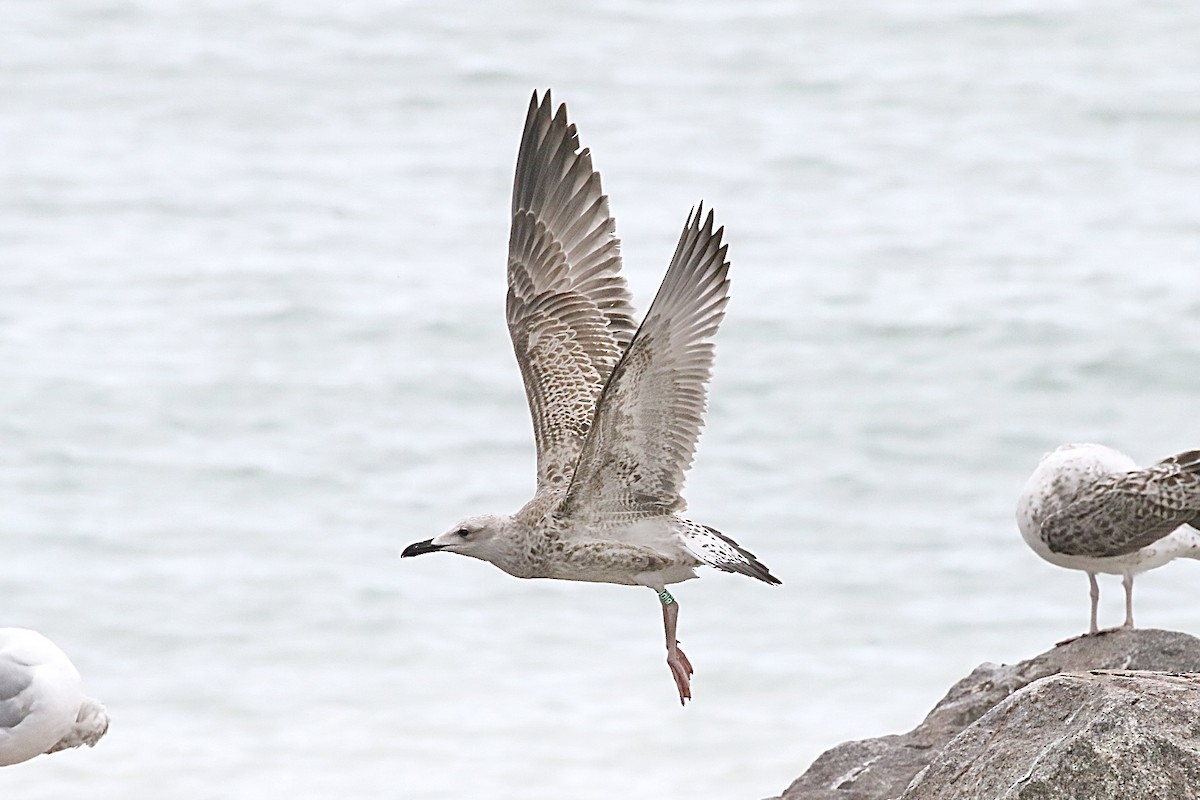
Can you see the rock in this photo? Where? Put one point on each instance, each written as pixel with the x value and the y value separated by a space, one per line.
pixel 882 768
pixel 1099 735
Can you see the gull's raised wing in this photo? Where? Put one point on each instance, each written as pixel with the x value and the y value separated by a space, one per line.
pixel 1124 513
pixel 649 416
pixel 569 310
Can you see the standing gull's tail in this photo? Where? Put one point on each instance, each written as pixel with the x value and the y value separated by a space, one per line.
pixel 1189 462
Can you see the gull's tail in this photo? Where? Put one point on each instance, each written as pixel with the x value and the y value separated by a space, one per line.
pixel 91 723
pixel 718 550
pixel 1188 462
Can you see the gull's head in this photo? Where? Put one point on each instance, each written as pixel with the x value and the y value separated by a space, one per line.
pixel 481 536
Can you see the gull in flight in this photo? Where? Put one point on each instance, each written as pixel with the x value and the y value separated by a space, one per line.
pixel 1089 507
pixel 617 408
pixel 42 709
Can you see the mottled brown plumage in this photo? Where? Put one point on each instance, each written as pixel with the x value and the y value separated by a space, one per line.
pixel 569 309
pixel 616 409
pixel 1092 508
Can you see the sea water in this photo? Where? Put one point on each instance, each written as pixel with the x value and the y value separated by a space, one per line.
pixel 252 344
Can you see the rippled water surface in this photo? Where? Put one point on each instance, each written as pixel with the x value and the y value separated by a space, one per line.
pixel 252 344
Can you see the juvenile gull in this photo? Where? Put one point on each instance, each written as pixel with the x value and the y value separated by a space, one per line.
pixel 42 709
pixel 1089 507
pixel 617 409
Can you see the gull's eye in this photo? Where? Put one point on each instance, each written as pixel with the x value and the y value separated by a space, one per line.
pixel 463 532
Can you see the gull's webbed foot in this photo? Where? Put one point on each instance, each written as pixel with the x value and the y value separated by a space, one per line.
pixel 681 670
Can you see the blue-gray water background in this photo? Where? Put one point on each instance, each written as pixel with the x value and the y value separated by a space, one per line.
pixel 252 343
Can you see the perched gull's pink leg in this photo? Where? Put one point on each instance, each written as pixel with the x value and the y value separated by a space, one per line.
pixel 1095 592
pixel 1093 628
pixel 1127 582
pixel 681 668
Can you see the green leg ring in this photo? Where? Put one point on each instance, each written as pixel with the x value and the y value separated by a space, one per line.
pixel 666 597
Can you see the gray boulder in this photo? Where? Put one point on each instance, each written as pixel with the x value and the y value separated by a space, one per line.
pixel 1098 735
pixel 882 768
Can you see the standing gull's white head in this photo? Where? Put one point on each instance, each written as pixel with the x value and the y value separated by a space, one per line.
pixel 42 706
pixel 617 408
pixel 1091 508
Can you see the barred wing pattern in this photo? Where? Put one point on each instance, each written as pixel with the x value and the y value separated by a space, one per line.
pixel 1123 513
pixel 650 414
pixel 569 310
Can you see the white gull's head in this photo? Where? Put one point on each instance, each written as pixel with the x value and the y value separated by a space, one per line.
pixel 487 537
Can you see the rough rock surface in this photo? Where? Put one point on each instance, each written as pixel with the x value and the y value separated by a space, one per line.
pixel 882 768
pixel 1098 735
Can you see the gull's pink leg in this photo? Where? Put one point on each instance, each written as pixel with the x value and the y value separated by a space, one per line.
pixel 1095 628
pixel 1127 582
pixel 681 668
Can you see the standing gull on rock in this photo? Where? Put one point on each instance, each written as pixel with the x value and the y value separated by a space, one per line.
pixel 42 709
pixel 617 409
pixel 1089 507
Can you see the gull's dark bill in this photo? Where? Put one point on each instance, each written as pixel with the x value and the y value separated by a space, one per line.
pixel 418 548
